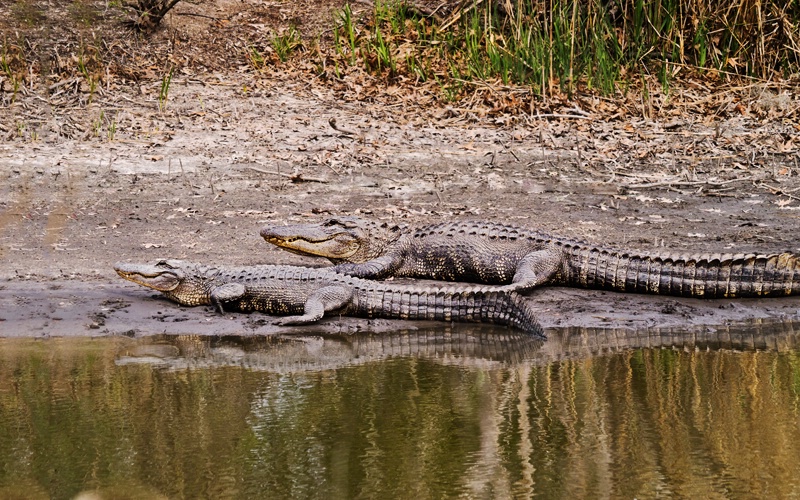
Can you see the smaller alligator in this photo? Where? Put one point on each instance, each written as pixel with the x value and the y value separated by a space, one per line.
pixel 307 294
pixel 499 254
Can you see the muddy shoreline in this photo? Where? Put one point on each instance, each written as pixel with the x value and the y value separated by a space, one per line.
pixel 75 308
pixel 198 180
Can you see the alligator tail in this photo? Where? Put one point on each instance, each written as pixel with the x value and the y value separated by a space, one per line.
pixel 469 304
pixel 706 276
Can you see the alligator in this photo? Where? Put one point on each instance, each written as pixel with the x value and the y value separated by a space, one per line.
pixel 523 259
pixel 307 294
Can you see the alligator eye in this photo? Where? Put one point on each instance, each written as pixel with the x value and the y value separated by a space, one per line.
pixel 331 222
pixel 165 263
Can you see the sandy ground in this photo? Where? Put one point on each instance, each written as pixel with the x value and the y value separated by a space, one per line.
pixel 196 181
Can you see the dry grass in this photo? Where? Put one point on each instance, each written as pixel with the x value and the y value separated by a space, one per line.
pixel 505 54
pixel 587 44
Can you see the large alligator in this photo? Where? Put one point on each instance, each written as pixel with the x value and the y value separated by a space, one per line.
pixel 307 294
pixel 483 252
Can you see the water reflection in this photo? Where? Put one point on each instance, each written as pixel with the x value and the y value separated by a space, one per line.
pixel 463 411
pixel 473 346
pixel 466 345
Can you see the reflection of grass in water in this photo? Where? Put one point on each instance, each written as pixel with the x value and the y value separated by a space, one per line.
pixel 794 361
pixel 671 413
pixel 620 422
pixel 77 421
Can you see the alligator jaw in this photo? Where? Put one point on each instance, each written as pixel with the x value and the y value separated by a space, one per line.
pixel 338 245
pixel 156 276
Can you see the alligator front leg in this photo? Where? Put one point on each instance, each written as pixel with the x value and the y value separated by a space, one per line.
pixel 537 268
pixel 376 269
pixel 326 299
pixel 226 293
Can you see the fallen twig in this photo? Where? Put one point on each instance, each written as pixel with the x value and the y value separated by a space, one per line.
pixel 297 177
pixel 460 11
pixel 332 123
pixel 776 190
pixel 192 14
pixel 560 115
pixel 686 183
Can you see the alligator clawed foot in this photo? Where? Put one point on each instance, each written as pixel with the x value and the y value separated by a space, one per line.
pixel 287 321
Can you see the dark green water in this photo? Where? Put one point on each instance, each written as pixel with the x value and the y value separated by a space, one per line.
pixel 432 414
